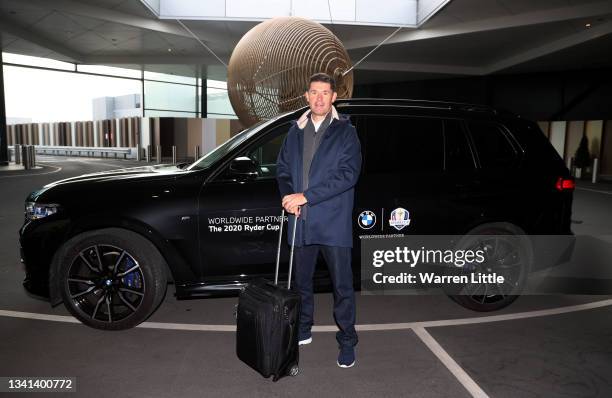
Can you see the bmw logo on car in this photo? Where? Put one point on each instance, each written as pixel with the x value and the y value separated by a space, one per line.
pixel 366 219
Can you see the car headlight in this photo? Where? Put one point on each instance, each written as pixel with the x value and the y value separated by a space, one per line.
pixel 34 211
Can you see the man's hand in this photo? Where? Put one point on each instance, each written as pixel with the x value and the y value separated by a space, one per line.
pixel 292 203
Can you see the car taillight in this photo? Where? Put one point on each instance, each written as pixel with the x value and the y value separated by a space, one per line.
pixel 565 184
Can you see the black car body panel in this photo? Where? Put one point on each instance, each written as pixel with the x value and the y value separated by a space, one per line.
pixel 449 184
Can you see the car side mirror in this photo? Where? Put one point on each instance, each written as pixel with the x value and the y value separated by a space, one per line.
pixel 244 168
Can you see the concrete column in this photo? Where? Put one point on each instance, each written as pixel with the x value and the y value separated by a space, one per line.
pixel 41 134
pixel 73 133
pixel 95 133
pixel 209 135
pixel 145 133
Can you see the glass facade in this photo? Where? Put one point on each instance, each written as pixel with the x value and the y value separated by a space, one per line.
pixel 219 103
pixel 43 95
pixel 46 90
pixel 19 59
pixel 169 97
pixel 110 70
pixel 166 77
pixel 217 100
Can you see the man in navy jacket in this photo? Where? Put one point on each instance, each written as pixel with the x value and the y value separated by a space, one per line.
pixel 317 169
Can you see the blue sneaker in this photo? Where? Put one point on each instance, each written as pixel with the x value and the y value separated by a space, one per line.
pixel 346 357
pixel 305 338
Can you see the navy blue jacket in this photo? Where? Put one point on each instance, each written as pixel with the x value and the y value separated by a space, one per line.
pixel 334 171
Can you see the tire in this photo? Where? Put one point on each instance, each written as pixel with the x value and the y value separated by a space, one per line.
pixel 111 279
pixel 509 253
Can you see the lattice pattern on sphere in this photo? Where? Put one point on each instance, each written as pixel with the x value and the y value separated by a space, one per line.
pixel 270 66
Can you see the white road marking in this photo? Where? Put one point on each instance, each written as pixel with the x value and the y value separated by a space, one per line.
pixel 188 326
pixel 488 319
pixel 595 190
pixel 330 328
pixel 450 363
pixel 42 317
pixel 35 174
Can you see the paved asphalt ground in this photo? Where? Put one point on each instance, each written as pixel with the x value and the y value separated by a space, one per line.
pixel 563 350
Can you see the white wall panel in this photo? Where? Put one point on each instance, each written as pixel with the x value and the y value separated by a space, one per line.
pixel 557 136
pixel 209 136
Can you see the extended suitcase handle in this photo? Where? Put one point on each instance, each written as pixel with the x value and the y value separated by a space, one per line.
pixel 280 242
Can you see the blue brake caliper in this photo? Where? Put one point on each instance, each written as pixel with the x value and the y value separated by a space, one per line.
pixel 133 278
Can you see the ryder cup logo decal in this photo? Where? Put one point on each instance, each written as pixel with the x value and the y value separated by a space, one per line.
pixel 400 218
pixel 366 219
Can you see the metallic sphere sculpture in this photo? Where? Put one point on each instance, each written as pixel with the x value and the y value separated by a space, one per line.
pixel 269 68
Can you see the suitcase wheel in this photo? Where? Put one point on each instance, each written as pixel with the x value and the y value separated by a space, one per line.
pixel 294 370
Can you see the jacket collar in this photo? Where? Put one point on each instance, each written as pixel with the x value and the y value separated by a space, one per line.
pixel 301 122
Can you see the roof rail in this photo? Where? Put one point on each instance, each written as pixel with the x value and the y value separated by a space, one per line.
pixel 422 103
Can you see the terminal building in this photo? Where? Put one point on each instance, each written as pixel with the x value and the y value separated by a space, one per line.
pixel 526 58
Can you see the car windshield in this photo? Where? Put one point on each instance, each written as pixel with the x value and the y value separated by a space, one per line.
pixel 219 152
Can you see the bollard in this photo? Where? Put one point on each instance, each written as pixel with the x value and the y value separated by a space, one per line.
pixel 17 154
pixel 173 154
pixel 197 152
pixel 148 154
pixel 138 152
pixel 595 167
pixel 25 157
pixel 158 156
pixel 33 156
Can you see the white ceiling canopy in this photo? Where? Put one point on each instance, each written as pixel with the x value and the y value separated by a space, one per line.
pixel 407 13
pixel 460 38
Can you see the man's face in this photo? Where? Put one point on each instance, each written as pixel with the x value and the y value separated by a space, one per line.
pixel 320 98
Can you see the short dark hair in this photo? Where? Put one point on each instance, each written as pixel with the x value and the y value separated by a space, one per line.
pixel 322 77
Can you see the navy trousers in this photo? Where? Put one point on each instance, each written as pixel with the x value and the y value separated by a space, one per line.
pixel 338 261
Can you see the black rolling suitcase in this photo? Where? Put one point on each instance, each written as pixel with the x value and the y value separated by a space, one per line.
pixel 268 321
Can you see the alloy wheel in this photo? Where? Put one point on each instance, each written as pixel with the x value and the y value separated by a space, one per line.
pixel 106 283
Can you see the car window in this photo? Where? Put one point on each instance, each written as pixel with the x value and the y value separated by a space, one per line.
pixel 457 153
pixel 219 152
pixel 397 144
pixel 493 147
pixel 266 153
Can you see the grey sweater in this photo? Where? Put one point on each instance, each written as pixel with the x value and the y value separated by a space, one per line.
pixel 312 140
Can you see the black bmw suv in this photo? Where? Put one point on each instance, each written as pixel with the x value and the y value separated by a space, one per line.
pixel 107 244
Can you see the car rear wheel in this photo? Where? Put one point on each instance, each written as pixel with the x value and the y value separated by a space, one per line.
pixel 111 279
pixel 507 253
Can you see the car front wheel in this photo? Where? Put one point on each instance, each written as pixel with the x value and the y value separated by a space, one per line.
pixel 112 278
